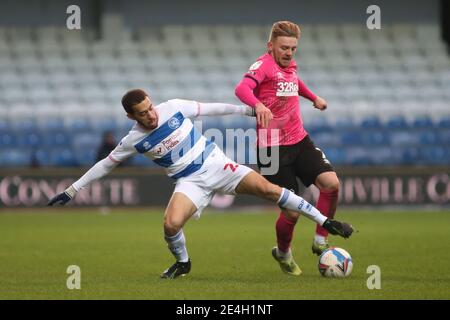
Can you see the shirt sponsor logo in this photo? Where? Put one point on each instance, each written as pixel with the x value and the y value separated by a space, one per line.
pixel 172 140
pixel 300 206
pixel 287 89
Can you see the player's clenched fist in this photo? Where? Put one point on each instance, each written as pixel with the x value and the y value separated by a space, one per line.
pixel 263 115
pixel 63 197
pixel 320 103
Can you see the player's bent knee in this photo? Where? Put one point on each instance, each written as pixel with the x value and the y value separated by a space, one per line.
pixel 329 184
pixel 172 225
pixel 332 185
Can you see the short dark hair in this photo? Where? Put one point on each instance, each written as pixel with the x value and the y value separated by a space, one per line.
pixel 132 98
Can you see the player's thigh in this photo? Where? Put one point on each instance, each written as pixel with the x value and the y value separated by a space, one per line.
pixel 311 163
pixel 179 209
pixel 255 184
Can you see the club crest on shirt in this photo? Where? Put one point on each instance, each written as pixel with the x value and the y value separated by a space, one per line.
pixel 173 123
pixel 256 65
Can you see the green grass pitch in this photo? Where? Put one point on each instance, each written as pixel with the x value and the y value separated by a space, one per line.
pixel 122 254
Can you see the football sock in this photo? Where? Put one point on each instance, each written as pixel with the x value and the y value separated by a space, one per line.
pixel 177 245
pixel 284 254
pixel 327 205
pixel 291 201
pixel 285 229
pixel 319 239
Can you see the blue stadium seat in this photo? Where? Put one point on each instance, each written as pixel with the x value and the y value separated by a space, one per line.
pixel 335 155
pixel 345 124
pixel 385 156
pixel 444 123
pixel 79 125
pixel 444 137
pixel 42 156
pixel 436 155
pixel 15 157
pixel 324 139
pixel 4 125
pixel 64 157
pixel 106 124
pixel 25 125
pixel 423 122
pixel 85 157
pixel 318 125
pixel 123 128
pixel 375 138
pixel 7 139
pixel 409 156
pixel 359 156
pixel 371 122
pixel 404 138
pixel 351 138
pixel 31 139
pixel 57 139
pixel 52 125
pixel 87 140
pixel 428 138
pixel 397 123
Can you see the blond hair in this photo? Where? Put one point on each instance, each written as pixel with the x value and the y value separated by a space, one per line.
pixel 284 29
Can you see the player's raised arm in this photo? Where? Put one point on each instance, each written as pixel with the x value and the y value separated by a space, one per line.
pixel 194 109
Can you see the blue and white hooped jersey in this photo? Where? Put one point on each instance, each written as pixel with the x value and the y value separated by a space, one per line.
pixel 175 144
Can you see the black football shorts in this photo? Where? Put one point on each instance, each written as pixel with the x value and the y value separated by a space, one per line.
pixel 302 160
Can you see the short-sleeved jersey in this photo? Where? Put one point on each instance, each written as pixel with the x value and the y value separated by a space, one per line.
pixel 277 88
pixel 175 144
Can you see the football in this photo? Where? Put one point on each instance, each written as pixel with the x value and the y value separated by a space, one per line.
pixel 335 263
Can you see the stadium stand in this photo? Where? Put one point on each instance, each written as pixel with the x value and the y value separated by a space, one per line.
pixel 388 91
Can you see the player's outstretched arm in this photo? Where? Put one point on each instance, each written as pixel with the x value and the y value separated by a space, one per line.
pixel 192 109
pixel 100 169
pixel 218 109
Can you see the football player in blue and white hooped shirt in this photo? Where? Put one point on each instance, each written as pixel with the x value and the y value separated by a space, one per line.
pixel 166 135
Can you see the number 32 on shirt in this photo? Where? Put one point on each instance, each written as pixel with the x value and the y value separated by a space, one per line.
pixel 287 89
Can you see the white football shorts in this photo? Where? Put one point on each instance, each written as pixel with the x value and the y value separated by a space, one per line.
pixel 217 174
